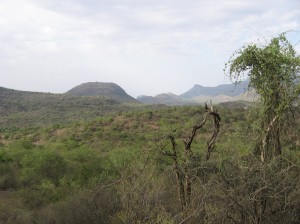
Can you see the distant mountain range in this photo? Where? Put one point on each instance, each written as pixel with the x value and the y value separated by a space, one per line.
pixel 196 95
pixel 200 94
pixel 111 93
pixel 225 89
pixel 164 98
pixel 95 99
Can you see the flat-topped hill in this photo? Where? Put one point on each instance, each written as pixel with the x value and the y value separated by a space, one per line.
pixel 109 90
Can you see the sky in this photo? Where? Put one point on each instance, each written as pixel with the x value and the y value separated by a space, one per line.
pixel 147 47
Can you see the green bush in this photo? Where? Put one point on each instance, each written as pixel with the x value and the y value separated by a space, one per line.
pixel 42 164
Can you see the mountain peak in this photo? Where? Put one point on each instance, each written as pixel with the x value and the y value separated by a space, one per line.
pixel 163 98
pixel 106 89
pixel 197 86
pixel 225 89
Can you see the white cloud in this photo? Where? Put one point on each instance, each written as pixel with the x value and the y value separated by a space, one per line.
pixel 147 46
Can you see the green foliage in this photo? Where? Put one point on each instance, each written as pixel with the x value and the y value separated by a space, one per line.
pixel 27 109
pixel 273 71
pixel 4 157
pixel 85 166
pixel 8 172
pixel 107 170
pixel 42 165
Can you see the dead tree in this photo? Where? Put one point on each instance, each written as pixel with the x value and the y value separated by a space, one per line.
pixel 183 165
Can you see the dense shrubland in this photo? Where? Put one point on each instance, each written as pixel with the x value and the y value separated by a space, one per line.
pixel 32 109
pixel 165 165
pixel 111 170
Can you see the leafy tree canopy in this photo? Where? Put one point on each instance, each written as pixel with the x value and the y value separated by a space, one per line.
pixel 273 71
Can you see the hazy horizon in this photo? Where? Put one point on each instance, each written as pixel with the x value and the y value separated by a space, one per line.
pixel 45 91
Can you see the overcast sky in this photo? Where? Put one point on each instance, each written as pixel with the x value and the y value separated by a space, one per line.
pixel 145 46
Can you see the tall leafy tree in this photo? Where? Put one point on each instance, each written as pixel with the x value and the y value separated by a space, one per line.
pixel 273 71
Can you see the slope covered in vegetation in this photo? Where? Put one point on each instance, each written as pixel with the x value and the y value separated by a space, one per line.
pixel 112 170
pixel 24 109
pixel 236 163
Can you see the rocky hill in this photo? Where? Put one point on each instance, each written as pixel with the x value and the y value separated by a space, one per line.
pixel 109 90
pixel 164 98
pixel 225 90
pixel 200 94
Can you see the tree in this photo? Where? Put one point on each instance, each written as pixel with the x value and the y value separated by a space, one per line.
pixel 185 160
pixel 42 165
pixel 273 71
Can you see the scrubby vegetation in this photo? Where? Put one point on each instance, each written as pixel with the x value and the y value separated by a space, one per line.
pixel 189 164
pixel 23 109
pixel 112 170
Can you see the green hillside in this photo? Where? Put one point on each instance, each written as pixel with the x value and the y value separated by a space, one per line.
pixel 25 109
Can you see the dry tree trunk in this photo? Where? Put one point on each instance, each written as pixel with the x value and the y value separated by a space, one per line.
pixel 271 143
pixel 183 169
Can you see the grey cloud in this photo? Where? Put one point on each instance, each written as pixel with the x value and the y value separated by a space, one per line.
pixel 121 40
